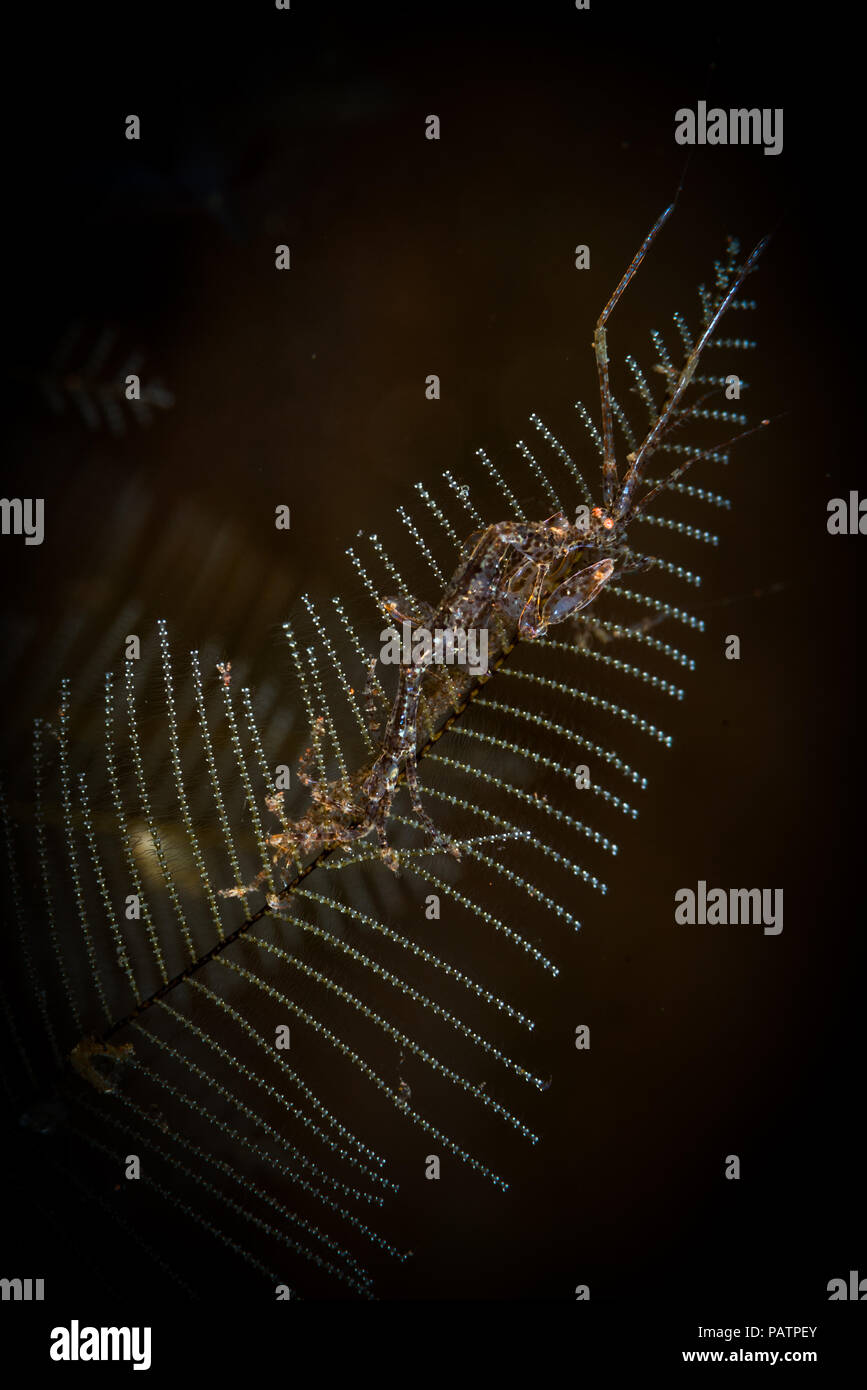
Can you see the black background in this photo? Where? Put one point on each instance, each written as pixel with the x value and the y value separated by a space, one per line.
pixel 263 126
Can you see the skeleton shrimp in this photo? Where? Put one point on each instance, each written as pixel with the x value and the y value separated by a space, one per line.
pixel 531 574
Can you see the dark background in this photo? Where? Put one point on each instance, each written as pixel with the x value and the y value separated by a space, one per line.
pixel 408 257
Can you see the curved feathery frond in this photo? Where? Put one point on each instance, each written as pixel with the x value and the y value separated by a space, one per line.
pixel 268 1055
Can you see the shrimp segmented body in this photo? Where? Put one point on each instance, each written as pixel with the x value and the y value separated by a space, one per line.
pixel 514 578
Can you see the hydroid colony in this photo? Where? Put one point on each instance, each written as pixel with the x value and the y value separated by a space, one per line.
pixel 255 1004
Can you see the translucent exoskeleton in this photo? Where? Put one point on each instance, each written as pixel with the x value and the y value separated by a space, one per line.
pixel 534 575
